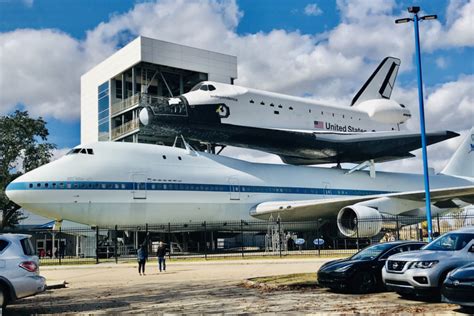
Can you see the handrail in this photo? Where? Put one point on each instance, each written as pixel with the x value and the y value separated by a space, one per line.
pixel 126 128
pixel 125 104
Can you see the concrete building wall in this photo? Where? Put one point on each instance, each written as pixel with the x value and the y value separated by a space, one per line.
pixel 218 67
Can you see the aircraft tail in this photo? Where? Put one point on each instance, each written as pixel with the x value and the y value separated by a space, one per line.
pixel 380 83
pixel 461 163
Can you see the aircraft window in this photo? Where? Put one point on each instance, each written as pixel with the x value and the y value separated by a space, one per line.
pixel 75 185
pixel 343 116
pixel 280 106
pixel 46 185
pixel 291 108
pixel 164 157
pixel 262 103
pixel 252 101
pixel 31 185
pixel 82 186
pixel 103 186
pixel 276 112
pixel 117 186
pixel 38 185
pixel 54 184
pixel 179 158
pixel 402 105
pixel 83 151
pixel 309 110
pixel 74 151
pixel 211 88
pixel 61 185
pixel 197 87
pixel 90 151
pixel 204 88
pixel 69 186
pixel 322 113
pixel 271 104
pixel 153 186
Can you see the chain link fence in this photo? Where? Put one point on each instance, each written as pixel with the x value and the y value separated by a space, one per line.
pixel 241 239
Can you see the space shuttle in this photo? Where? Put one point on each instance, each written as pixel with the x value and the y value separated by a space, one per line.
pixel 299 130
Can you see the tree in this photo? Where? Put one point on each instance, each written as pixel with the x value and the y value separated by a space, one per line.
pixel 23 147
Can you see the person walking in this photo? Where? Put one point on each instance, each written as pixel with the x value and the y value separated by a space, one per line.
pixel 161 254
pixel 142 257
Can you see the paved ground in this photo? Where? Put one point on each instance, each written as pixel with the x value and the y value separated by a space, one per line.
pixel 203 287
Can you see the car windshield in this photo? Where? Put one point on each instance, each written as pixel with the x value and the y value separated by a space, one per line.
pixel 371 252
pixel 450 242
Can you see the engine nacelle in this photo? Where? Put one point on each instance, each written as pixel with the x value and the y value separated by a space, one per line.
pixel 385 111
pixel 359 221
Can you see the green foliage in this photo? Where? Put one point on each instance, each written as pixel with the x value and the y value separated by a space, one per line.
pixel 23 147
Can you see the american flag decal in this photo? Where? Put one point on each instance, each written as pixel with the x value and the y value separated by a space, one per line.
pixel 319 124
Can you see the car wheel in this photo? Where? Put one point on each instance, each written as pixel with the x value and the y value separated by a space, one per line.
pixel 364 282
pixel 3 297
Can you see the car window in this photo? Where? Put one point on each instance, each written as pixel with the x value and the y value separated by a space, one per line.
pixel 370 252
pixel 450 242
pixel 3 245
pixel 27 247
pixel 401 249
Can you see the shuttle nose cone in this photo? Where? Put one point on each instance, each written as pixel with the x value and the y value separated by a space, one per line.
pixel 144 116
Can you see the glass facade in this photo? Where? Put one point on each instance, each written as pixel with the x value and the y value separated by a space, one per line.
pixel 104 100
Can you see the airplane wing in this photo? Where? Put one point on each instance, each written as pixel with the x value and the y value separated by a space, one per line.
pixel 314 209
pixel 310 147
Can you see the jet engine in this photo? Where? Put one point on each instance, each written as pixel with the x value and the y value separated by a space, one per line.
pixel 359 221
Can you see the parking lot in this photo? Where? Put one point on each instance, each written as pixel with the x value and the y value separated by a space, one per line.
pixel 203 287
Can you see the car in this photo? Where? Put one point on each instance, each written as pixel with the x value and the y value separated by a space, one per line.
pixel 362 272
pixel 458 288
pixel 19 269
pixel 422 273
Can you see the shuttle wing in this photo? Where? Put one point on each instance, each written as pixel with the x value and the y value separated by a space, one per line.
pixel 314 209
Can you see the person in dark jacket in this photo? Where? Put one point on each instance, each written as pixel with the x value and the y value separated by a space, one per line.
pixel 142 257
pixel 161 254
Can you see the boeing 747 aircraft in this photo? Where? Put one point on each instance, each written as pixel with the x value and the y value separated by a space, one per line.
pixel 109 183
pixel 300 130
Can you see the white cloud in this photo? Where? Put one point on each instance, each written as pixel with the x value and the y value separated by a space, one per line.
pixel 28 3
pixel 40 69
pixel 312 9
pixel 441 62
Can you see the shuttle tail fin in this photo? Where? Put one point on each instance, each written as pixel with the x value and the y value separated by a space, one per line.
pixel 462 162
pixel 380 83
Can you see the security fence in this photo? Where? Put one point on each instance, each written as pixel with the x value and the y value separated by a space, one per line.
pixel 241 239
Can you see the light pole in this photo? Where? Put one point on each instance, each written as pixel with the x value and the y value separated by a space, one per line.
pixel 415 20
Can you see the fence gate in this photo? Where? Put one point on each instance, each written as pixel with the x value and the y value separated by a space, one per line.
pixel 139 186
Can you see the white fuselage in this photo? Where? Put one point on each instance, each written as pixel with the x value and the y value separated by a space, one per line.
pixel 134 184
pixel 257 108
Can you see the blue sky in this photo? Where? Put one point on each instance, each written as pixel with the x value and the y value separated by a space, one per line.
pixel 312 30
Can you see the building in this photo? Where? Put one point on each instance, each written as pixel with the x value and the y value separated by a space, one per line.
pixel 113 92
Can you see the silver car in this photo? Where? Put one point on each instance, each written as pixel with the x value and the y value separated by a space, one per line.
pixel 423 272
pixel 19 269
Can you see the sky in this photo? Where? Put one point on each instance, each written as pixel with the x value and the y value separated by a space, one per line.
pixel 318 49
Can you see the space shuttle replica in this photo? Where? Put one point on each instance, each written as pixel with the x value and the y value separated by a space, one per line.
pixel 299 130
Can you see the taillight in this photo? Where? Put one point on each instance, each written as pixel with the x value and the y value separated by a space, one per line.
pixel 29 266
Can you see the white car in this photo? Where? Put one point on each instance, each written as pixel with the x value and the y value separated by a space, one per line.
pixel 423 272
pixel 19 269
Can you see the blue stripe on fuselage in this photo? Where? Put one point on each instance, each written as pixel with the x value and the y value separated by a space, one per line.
pixel 127 186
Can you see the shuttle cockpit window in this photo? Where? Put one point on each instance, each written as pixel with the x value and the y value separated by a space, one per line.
pixel 204 87
pixel 211 87
pixel 197 87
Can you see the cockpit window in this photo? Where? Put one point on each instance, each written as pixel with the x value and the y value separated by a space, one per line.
pixel 86 151
pixel 197 87
pixel 204 87
pixel 211 87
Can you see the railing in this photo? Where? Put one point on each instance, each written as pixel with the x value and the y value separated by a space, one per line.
pixel 126 128
pixel 118 107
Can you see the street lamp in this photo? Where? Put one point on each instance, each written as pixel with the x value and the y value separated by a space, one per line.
pixel 415 19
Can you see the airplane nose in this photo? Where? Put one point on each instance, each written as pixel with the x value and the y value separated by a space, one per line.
pixel 15 190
